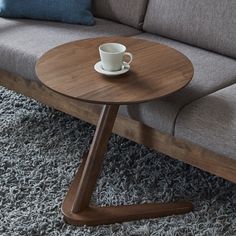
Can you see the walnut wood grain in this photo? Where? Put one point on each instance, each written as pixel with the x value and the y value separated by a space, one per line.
pixel 156 71
pixel 76 207
pixel 95 215
pixel 95 158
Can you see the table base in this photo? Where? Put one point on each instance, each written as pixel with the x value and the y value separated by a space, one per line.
pixel 76 207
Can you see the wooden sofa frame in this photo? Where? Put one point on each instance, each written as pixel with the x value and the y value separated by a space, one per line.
pixel 179 149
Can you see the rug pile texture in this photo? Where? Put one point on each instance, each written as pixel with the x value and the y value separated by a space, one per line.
pixel 40 150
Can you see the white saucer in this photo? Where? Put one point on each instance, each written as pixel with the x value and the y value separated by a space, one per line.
pixel 99 69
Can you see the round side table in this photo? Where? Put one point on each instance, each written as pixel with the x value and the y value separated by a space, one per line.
pixel 156 71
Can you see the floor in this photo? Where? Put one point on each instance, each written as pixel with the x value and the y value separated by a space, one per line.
pixel 40 149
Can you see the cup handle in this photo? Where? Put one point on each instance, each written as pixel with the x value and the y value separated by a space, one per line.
pixel 130 56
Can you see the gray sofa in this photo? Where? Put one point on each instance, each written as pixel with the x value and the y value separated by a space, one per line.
pixel 202 114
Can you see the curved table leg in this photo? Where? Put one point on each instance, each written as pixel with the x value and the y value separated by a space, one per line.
pixel 76 207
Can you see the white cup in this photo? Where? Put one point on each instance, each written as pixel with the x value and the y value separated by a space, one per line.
pixel 112 56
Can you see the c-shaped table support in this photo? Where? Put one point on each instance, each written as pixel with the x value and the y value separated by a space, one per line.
pixel 76 207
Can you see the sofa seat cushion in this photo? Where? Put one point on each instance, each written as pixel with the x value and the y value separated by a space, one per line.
pixel 211 122
pixel 210 24
pixel 211 73
pixel 22 42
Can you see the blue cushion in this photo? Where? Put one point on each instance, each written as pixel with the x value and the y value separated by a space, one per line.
pixel 68 11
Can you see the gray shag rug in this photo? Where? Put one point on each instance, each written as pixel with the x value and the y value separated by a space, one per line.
pixel 40 150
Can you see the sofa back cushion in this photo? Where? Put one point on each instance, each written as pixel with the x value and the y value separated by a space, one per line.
pixel 210 24
pixel 129 12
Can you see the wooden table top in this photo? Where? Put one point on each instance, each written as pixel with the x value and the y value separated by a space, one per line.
pixel 156 71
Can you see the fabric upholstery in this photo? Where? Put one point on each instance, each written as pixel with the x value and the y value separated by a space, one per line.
pixel 212 72
pixel 70 11
pixel 22 42
pixel 129 12
pixel 211 122
pixel 210 24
